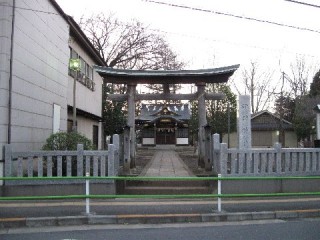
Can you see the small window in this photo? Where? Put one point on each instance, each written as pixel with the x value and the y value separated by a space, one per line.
pixel 56 118
pixel 69 126
pixel 95 136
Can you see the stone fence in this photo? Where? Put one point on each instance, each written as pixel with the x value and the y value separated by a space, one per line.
pixel 266 162
pixel 275 161
pixel 60 164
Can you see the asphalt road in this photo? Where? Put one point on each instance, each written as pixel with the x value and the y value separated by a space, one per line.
pixel 114 207
pixel 267 229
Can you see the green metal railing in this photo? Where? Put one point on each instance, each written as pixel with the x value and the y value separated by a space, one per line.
pixel 89 196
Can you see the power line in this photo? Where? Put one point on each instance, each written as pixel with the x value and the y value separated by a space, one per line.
pixel 233 15
pixel 229 42
pixel 303 3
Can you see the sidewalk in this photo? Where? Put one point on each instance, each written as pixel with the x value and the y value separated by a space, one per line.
pixel 129 211
pixel 166 163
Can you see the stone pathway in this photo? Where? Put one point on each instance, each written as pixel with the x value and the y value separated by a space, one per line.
pixel 166 163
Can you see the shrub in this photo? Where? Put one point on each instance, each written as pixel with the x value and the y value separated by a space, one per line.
pixel 67 141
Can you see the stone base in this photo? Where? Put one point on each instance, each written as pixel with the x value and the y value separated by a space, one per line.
pixel 270 186
pixel 56 190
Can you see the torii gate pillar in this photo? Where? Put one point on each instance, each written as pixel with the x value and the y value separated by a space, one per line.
pixel 202 123
pixel 131 122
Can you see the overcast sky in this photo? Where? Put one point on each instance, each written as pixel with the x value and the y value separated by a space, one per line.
pixel 218 37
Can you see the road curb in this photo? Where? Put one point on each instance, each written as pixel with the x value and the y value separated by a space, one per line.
pixel 155 218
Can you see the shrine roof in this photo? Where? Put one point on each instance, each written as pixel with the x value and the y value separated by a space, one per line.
pixel 212 75
pixel 150 112
pixel 266 120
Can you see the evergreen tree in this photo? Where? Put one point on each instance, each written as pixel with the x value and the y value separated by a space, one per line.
pixel 304 117
pixel 217 111
pixel 285 107
pixel 315 85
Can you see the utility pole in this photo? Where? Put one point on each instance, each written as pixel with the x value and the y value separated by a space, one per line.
pixel 281 130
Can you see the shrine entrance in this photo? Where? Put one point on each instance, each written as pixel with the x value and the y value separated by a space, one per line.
pixel 161 124
pixel 167 130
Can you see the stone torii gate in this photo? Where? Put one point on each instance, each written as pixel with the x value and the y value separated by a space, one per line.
pixel 133 77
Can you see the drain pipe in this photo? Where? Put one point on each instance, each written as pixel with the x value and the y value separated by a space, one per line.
pixel 11 72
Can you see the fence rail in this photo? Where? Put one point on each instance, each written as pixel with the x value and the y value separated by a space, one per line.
pixel 219 196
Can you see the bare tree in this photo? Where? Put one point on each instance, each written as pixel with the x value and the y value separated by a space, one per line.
pixel 128 45
pixel 258 85
pixel 298 78
pixel 125 46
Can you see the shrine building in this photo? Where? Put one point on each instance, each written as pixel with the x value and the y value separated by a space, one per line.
pixel 164 124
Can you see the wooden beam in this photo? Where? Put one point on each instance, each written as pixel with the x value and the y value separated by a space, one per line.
pixel 167 96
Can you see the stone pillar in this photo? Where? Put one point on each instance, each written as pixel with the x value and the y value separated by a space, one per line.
pixel 131 122
pixel 202 121
pixel 216 152
pixel 318 125
pixel 244 124
pixel 126 149
pixel 208 149
pixel 116 143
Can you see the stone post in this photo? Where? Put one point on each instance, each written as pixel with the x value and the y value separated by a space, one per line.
pixel 216 152
pixel 116 143
pixel 111 162
pixel 80 160
pixel 8 160
pixel 131 122
pixel 318 125
pixel 208 149
pixel 277 147
pixel 126 149
pixel 244 123
pixel 202 123
pixel 223 156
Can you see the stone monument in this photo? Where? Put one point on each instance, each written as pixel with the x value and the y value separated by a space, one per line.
pixel 244 122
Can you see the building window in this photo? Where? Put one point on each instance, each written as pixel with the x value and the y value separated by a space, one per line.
pixel 95 137
pixel 69 126
pixel 56 118
pixel 86 73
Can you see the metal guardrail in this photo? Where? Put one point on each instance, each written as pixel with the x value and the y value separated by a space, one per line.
pixel 219 195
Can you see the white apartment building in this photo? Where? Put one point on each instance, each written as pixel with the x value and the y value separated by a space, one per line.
pixel 37 40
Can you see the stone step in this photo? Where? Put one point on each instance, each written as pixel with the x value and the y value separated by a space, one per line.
pixel 166 190
pixel 166 187
pixel 200 183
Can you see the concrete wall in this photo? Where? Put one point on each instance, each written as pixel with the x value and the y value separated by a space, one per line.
pixel 5 44
pixel 40 73
pixel 148 141
pixel 85 127
pixel 182 141
pixel 57 189
pixel 270 186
